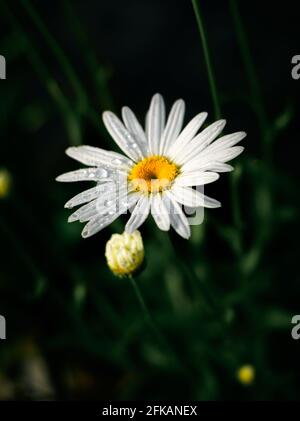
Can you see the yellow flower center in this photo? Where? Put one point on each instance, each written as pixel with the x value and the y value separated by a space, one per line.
pixel 153 174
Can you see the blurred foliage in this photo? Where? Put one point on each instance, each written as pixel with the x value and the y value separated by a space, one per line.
pixel 223 300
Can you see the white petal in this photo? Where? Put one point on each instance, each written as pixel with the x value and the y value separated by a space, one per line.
pixel 186 135
pixel 227 141
pixel 193 198
pixel 200 142
pixel 135 128
pixel 89 210
pixel 177 218
pixel 139 215
pixel 156 123
pixel 89 155
pixel 107 202
pixel 125 140
pixel 217 167
pixel 159 212
pixel 173 126
pixel 89 174
pixel 222 155
pixel 90 194
pixel 99 222
pixel 213 161
pixel 196 178
pixel 147 126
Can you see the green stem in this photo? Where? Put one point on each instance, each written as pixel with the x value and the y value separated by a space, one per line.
pixel 236 209
pixel 211 78
pixel 142 303
pixel 255 90
pixel 261 113
pixel 97 71
pixel 59 54
pixel 69 118
pixel 21 251
pixel 149 320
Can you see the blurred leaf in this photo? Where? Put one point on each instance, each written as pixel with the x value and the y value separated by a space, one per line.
pixel 250 260
pixel 276 318
pixel 230 235
pixel 79 294
pixel 197 234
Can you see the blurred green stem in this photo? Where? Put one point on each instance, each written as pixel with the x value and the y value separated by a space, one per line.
pixel 83 105
pixel 152 325
pixel 255 90
pixel 59 54
pixel 72 123
pixel 236 209
pixel 234 179
pixel 266 133
pixel 21 251
pixel 211 78
pixel 98 72
pixel 146 313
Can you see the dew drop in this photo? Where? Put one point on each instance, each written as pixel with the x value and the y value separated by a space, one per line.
pixel 116 161
pixel 102 173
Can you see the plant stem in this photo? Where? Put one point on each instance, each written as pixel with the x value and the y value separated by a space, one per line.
pixel 261 113
pixel 59 54
pixel 255 90
pixel 142 303
pixel 236 209
pixel 211 78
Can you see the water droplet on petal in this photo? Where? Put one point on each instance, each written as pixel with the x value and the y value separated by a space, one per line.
pixel 102 173
pixel 117 161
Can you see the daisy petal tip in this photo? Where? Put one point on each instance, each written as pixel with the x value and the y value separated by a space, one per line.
pixel 72 218
pixel 186 236
pixel 70 151
pixel 85 233
pixel 106 115
pixel 202 116
pixel 125 109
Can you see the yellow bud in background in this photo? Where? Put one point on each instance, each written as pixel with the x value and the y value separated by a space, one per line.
pixel 246 374
pixel 125 253
pixel 5 183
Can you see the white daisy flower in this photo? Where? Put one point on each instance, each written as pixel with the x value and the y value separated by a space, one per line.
pixel 162 165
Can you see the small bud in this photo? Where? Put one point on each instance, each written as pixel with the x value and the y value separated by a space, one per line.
pixel 125 253
pixel 5 183
pixel 246 374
